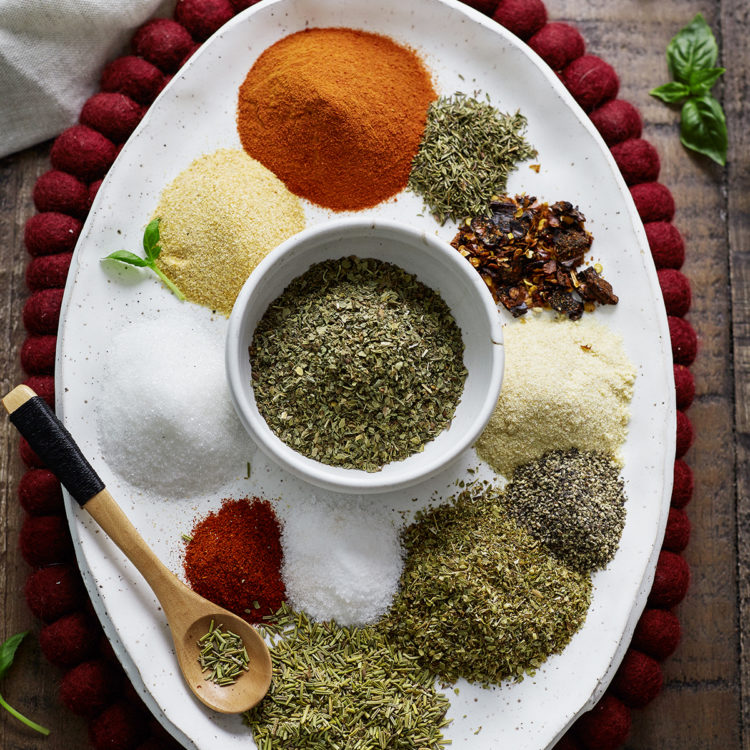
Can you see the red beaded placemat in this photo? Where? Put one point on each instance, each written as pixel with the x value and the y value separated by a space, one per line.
pixel 94 685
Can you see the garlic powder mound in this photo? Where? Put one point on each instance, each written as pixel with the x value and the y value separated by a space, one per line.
pixel 219 218
pixel 566 385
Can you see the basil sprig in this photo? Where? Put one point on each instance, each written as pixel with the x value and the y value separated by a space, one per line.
pixel 7 655
pixel 152 249
pixel 691 57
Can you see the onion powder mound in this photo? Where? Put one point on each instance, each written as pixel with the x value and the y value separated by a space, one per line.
pixel 342 560
pixel 567 385
pixel 219 218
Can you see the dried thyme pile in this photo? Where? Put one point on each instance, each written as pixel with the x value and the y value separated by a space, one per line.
pixel 357 364
pixel 573 503
pixel 336 688
pixel 480 598
pixel 467 151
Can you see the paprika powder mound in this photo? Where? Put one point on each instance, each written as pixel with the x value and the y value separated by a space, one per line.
pixel 337 114
pixel 234 558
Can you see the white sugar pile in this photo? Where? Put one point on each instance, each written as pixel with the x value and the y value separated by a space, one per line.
pixel 342 559
pixel 165 420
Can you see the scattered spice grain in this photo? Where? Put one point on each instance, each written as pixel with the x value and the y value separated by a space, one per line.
pixel 573 503
pixel 357 364
pixel 566 385
pixel 467 152
pixel 337 114
pixel 219 218
pixel 337 687
pixel 528 254
pixel 481 598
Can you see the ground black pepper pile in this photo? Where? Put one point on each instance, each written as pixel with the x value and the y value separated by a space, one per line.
pixel 573 503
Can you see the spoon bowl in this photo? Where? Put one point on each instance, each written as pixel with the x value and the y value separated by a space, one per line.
pixel 188 614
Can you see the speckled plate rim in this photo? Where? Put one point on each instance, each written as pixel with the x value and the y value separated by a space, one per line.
pixel 666 407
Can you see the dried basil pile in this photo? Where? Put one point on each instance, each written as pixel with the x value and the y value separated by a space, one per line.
pixel 357 364
pixel 480 598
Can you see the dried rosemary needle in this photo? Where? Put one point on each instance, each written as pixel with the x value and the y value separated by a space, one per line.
pixel 467 151
pixel 340 688
pixel 222 656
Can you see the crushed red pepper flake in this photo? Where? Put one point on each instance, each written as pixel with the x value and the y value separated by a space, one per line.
pixel 528 254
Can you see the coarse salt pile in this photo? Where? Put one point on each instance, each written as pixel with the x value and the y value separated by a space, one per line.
pixel 342 559
pixel 219 218
pixel 566 385
pixel 165 420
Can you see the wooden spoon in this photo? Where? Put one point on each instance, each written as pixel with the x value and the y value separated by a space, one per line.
pixel 188 614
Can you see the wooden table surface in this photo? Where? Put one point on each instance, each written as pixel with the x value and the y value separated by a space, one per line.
pixel 704 701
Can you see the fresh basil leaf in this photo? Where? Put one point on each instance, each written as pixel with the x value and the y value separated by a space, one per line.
pixel 692 48
pixel 702 81
pixel 151 240
pixel 8 651
pixel 671 93
pixel 704 128
pixel 124 256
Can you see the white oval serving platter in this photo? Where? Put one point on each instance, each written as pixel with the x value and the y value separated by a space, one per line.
pixel 195 114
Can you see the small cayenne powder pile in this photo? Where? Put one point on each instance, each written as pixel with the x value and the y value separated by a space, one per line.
pixel 337 114
pixel 566 385
pixel 234 558
pixel 219 218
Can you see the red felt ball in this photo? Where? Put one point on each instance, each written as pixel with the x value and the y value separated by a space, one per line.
pixel 567 742
pixel 558 44
pixel 45 540
pixel 487 7
pixel 684 340
pixel 40 494
pixel 93 190
pixel 675 289
pixel 671 581
pixel 41 313
pixel 38 355
pixel 591 81
pixel 113 114
pixel 657 633
pixel 134 77
pixel 69 640
pixel 90 687
pixel 637 159
pixel 638 680
pixel 653 201
pixel 617 121
pixel 202 17
pixel 122 726
pixel 48 271
pixel 54 592
pixel 28 456
pixel 682 486
pixel 50 233
pixel 82 152
pixel 190 53
pixel 685 434
pixel 605 727
pixel 163 42
pixel 677 534
pixel 521 17
pixel 152 743
pixel 684 386
pixel 161 737
pixel 44 386
pixel 666 244
pixel 60 192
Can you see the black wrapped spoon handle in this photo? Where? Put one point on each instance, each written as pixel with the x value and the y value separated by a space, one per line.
pixel 50 440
